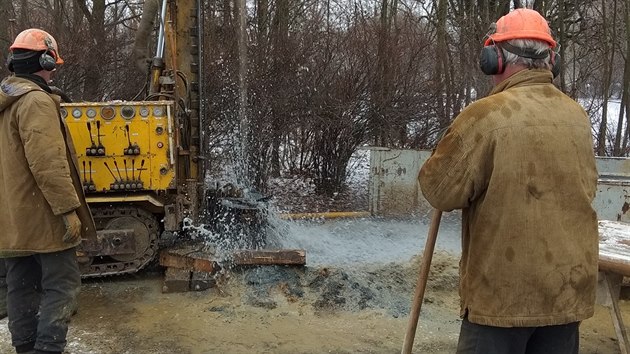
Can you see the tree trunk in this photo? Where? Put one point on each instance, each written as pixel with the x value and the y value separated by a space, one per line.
pixel 441 66
pixel 25 20
pixel 562 37
pixel 608 56
pixel 379 88
pixel 6 37
pixel 282 69
pixel 625 100
pixel 97 51
pixel 620 146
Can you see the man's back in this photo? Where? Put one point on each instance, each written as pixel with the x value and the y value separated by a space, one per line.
pixel 521 166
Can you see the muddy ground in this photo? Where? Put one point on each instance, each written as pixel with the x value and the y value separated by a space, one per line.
pixel 354 296
pixel 363 309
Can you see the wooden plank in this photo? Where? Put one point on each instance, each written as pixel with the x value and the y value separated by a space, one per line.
pixel 191 258
pixel 176 281
pixel 269 257
pixel 202 281
pixel 603 295
pixel 326 215
pixel 614 247
pixel 613 284
pixel 614 266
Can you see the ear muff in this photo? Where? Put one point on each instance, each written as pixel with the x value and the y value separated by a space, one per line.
pixel 491 60
pixel 47 61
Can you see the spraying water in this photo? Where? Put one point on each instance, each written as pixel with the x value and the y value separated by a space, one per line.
pixel 354 264
pixel 236 215
pixel 354 242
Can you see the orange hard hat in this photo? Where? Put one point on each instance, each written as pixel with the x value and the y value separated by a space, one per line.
pixel 37 40
pixel 521 24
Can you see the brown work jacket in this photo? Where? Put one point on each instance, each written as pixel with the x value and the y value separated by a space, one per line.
pixel 520 165
pixel 37 184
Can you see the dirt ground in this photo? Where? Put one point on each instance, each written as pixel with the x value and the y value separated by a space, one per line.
pixel 283 310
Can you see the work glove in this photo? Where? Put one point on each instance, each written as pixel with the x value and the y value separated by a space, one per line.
pixel 73 227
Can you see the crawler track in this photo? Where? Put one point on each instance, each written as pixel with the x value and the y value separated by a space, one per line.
pixel 146 242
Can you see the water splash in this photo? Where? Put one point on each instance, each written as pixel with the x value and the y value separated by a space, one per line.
pixel 349 242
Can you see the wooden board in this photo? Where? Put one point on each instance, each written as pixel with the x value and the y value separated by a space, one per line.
pixel 176 280
pixel 269 257
pixel 614 247
pixel 202 281
pixel 190 257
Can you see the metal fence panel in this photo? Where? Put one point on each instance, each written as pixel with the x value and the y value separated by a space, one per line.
pixel 394 190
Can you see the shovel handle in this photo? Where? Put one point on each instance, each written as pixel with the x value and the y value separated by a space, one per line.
pixel 422 282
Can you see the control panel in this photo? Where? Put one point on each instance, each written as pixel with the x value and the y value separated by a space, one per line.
pixel 123 146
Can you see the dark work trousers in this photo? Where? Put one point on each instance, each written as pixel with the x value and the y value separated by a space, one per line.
pixel 479 339
pixel 3 289
pixel 42 290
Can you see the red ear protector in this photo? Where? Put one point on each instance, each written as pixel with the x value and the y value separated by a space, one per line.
pixel 492 60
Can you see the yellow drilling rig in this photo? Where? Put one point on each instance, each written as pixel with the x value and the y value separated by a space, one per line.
pixel 142 161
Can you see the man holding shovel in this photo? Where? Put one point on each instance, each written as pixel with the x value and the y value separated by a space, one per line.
pixel 520 165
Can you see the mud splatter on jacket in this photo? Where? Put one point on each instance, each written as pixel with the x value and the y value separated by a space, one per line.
pixel 37 184
pixel 520 165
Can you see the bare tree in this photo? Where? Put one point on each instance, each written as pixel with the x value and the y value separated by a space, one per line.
pixel 97 49
pixel 324 77
pixel 608 52
pixel 7 33
pixel 443 87
pixel 625 98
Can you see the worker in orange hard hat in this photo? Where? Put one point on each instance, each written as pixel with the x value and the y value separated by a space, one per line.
pixel 34 51
pixel 520 165
pixel 43 214
pixel 37 40
pixel 523 37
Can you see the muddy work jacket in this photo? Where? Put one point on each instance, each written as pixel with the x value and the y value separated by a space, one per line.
pixel 38 184
pixel 520 165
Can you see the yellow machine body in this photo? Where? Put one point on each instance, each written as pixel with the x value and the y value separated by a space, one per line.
pixel 126 147
pixel 138 160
